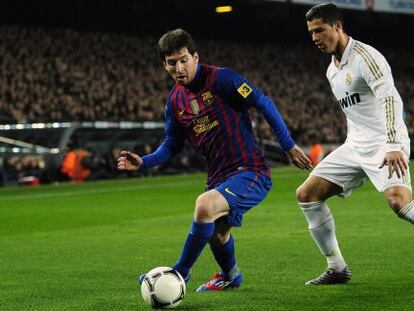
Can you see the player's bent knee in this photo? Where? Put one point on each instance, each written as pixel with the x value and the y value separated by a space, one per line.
pixel 398 197
pixel 304 194
pixel 204 211
pixel 396 202
pixel 219 238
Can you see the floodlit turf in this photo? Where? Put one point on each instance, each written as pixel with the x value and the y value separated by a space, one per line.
pixel 81 247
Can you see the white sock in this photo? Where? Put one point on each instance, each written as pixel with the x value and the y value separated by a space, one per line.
pixel 322 229
pixel 407 212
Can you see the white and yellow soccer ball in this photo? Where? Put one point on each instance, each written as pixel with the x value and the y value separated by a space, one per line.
pixel 163 287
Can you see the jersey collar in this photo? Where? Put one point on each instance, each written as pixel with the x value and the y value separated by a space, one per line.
pixel 194 84
pixel 347 52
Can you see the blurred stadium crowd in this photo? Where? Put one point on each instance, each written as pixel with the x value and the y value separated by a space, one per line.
pixel 65 75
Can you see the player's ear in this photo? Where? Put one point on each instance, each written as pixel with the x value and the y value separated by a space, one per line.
pixel 338 26
pixel 196 57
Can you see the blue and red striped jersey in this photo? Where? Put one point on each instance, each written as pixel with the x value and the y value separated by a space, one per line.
pixel 212 113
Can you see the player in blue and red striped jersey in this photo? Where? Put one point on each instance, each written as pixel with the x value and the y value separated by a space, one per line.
pixel 209 107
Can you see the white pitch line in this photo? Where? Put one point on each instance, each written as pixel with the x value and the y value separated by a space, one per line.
pixel 12 197
pixel 89 192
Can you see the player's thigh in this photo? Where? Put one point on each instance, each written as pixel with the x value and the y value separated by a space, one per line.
pixel 211 205
pixel 380 176
pixel 316 188
pixel 342 168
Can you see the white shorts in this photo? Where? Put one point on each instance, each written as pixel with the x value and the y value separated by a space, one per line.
pixel 350 169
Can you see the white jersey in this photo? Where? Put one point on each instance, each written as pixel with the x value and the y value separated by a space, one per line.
pixel 364 87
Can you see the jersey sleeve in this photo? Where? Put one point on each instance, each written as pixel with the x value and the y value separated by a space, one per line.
pixel 237 89
pixel 173 142
pixel 376 71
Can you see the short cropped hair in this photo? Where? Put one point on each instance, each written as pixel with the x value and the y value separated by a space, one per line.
pixel 175 40
pixel 328 12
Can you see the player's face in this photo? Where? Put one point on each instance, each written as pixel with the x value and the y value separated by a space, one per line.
pixel 182 66
pixel 325 36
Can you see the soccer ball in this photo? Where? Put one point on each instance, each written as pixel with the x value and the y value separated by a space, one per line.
pixel 163 287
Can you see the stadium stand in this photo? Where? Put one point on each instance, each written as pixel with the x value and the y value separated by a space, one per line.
pixel 63 75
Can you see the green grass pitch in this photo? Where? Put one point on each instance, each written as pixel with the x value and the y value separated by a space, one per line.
pixel 81 247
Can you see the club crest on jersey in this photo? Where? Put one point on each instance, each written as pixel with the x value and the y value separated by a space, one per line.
pixel 207 97
pixel 348 79
pixel 195 108
pixel 244 90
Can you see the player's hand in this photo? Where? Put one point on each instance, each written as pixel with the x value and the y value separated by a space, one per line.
pixel 396 163
pixel 299 158
pixel 128 161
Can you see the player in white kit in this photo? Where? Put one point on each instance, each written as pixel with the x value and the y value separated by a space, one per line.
pixel 377 145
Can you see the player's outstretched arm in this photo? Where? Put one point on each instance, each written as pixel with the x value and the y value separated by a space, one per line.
pixel 128 161
pixel 299 158
pixel 396 163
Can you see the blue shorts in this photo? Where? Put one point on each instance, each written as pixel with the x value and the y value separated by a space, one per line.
pixel 243 191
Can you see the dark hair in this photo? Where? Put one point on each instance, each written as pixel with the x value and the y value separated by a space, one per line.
pixel 175 40
pixel 328 12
